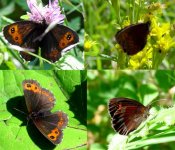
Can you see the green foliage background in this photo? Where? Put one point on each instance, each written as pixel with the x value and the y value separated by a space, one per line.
pixel 143 86
pixel 69 89
pixel 12 10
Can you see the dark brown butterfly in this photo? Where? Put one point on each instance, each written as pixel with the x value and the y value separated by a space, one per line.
pixel 26 34
pixel 127 114
pixel 39 103
pixel 133 38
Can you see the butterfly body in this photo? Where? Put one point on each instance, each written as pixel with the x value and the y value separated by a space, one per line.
pixel 39 102
pixel 26 34
pixel 133 38
pixel 127 114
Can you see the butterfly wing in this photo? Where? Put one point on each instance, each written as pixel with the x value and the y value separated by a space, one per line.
pixel 59 39
pixel 23 34
pixel 51 125
pixel 133 38
pixel 37 98
pixel 127 114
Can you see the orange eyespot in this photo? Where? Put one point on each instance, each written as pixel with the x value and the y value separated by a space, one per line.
pixel 54 134
pixel 66 40
pixel 14 32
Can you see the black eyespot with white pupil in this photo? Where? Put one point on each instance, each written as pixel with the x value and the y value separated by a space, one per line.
pixel 52 137
pixel 12 30
pixel 69 36
pixel 28 85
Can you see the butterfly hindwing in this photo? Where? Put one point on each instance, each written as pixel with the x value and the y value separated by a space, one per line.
pixel 51 125
pixel 49 48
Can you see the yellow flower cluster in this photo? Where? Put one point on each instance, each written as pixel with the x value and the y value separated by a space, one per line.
pixel 158 44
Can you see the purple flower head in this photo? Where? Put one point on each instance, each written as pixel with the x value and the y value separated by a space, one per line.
pixel 49 13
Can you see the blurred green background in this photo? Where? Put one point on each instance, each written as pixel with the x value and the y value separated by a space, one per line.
pixel 12 10
pixel 143 86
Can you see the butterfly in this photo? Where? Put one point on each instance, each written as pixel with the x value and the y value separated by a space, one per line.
pixel 26 34
pixel 127 114
pixel 39 102
pixel 133 38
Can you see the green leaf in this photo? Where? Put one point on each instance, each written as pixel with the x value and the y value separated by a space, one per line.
pixel 70 80
pixel 7 9
pixel 165 79
pixel 148 92
pixel 14 124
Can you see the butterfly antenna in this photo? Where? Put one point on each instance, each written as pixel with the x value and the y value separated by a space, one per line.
pixel 156 101
pixel 17 133
pixel 28 122
pixel 76 147
pixel 76 128
pixel 20 111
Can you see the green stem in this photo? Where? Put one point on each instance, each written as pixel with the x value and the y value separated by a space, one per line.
pixel 99 64
pixel 158 57
pixel 133 11
pixel 15 55
pixel 116 6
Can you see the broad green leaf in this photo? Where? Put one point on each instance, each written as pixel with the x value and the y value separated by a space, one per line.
pixel 14 125
pixel 148 92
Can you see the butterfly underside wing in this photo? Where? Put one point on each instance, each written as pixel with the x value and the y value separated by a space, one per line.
pixel 133 38
pixel 127 114
pixel 39 102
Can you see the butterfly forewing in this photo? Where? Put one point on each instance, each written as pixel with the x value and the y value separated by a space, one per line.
pixel 42 99
pixel 65 38
pixel 126 114
pixel 133 38
pixel 22 34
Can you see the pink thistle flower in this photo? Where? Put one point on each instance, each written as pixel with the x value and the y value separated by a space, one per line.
pixel 48 14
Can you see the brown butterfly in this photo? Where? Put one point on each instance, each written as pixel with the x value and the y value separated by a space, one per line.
pixel 127 114
pixel 133 38
pixel 39 102
pixel 26 34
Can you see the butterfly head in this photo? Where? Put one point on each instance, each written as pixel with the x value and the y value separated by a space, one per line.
pixel 35 115
pixel 143 112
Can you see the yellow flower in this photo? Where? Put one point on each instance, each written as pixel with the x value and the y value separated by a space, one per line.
pixel 158 44
pixel 88 44
pixel 90 47
pixel 161 37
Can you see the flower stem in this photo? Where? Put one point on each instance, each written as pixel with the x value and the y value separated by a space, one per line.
pixel 116 6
